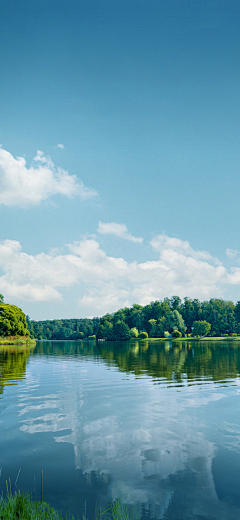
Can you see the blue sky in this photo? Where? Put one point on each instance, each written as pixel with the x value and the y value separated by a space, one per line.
pixel 143 97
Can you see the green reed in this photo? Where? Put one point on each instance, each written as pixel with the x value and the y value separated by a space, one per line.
pixel 21 507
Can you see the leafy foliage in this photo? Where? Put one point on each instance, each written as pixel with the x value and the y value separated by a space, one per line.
pixel 166 334
pixel 201 328
pixel 63 329
pixel 12 321
pixel 121 331
pixel 134 332
pixel 143 335
pixel 156 318
pixel 176 322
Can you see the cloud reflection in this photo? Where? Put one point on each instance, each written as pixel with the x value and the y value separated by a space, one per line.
pixel 143 440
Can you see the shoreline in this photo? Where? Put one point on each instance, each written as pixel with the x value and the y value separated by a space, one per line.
pixel 16 340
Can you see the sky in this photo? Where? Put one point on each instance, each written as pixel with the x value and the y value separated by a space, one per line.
pixel 119 158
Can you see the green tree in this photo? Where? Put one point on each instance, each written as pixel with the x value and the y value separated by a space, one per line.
pixel 12 321
pixel 175 321
pixel 191 311
pixel 134 332
pixel 121 331
pixel 1 298
pixel 201 328
pixel 105 331
pixel 221 315
pixel 161 327
pixel 153 330
pixel 237 312
pixel 175 303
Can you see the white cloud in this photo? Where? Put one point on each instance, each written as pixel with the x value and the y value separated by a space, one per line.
pixel 119 230
pixel 163 242
pixel 23 187
pixel 232 253
pixel 107 283
pixel 61 146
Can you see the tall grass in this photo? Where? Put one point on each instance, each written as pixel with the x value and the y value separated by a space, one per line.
pixel 17 340
pixel 21 507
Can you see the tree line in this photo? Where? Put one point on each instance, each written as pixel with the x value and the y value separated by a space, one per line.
pixel 215 317
pixel 63 329
pixel 157 319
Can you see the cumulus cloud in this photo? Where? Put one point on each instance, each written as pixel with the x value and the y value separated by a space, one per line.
pixel 107 283
pixel 23 187
pixel 119 230
pixel 163 242
pixel 61 146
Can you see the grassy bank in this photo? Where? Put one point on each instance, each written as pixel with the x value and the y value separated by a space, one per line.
pixel 22 507
pixel 209 338
pixel 17 340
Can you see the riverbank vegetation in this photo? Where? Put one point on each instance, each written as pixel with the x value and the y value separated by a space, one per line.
pixel 22 507
pixel 13 325
pixel 174 317
pixel 17 340
pixel 63 329
pixel 187 317
pixel 156 318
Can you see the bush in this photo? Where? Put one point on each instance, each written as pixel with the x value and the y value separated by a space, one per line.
pixel 134 332
pixel 143 335
pixel 176 334
pixel 166 334
pixel 92 337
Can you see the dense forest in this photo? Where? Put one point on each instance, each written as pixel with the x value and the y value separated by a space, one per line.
pixel 63 329
pixel 157 319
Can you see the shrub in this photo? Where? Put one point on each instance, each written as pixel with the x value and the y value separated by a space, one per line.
pixel 176 334
pixel 92 337
pixel 134 332
pixel 143 335
pixel 166 334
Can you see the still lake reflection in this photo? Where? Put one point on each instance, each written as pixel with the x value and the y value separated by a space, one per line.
pixel 155 424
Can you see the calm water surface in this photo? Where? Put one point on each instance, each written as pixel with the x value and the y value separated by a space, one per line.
pixel 151 423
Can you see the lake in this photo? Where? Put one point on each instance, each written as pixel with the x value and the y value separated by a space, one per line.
pixel 155 424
